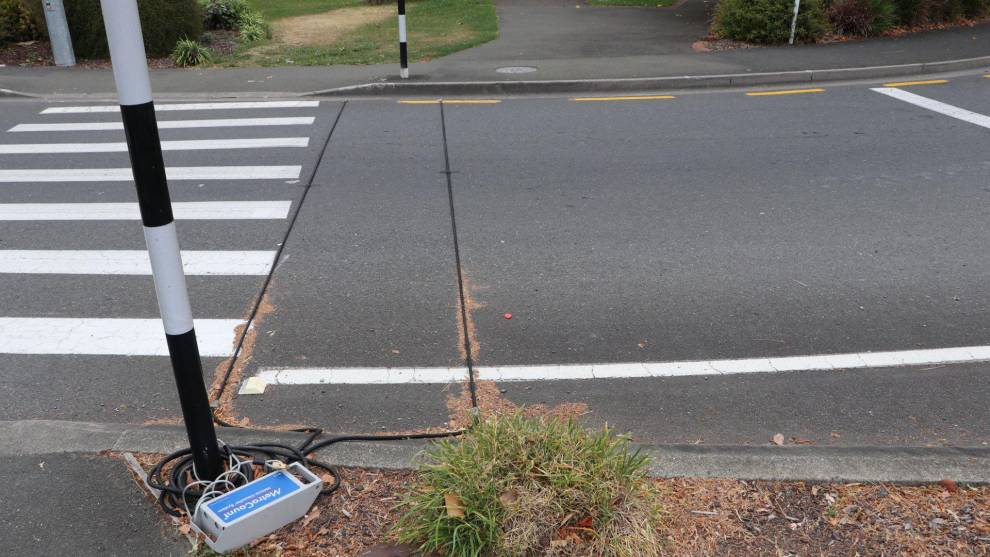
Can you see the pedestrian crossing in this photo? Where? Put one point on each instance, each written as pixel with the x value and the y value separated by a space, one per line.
pixel 164 124
pixel 181 210
pixel 80 198
pixel 186 145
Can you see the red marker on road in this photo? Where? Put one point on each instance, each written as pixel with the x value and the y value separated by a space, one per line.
pixel 507 315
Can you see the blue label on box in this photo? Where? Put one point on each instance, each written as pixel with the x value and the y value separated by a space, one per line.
pixel 253 496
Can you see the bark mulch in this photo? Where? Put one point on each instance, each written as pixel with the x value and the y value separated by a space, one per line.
pixel 704 517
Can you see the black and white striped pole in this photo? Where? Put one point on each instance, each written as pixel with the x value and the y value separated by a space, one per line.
pixel 130 71
pixel 403 48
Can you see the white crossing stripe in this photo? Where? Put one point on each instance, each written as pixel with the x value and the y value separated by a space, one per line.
pixel 184 145
pixel 185 210
pixel 353 376
pixel 936 106
pixel 172 173
pixel 121 337
pixel 186 106
pixel 132 262
pixel 167 124
pixel 858 360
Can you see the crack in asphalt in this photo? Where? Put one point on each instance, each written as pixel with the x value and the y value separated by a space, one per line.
pixel 463 302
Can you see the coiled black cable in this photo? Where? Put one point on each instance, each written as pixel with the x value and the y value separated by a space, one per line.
pixel 173 476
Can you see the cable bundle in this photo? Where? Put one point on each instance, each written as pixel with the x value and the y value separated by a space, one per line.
pixel 182 491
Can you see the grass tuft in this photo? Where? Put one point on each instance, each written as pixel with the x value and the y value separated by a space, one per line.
pixel 518 486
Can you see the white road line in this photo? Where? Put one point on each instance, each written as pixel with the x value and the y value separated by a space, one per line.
pixel 185 106
pixel 173 173
pixel 185 210
pixel 120 337
pixel 353 376
pixel 186 145
pixel 132 262
pixel 936 106
pixel 166 124
pixel 859 360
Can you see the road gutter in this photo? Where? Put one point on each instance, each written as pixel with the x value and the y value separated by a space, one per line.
pixel 569 86
pixel 788 463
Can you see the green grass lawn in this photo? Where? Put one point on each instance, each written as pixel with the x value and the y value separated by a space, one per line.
pixel 644 3
pixel 435 27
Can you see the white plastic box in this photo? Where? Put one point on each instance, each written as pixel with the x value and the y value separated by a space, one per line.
pixel 258 508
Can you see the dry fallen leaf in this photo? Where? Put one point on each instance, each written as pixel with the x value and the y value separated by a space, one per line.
pixel 949 485
pixel 508 498
pixel 802 441
pixel 778 439
pixel 310 517
pixel 454 505
pixel 185 529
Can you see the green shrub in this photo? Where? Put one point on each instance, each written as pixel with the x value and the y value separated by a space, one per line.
pixel 224 14
pixel 976 8
pixel 947 10
pixel 253 27
pixel 911 12
pixel 188 52
pixel 920 12
pixel 769 21
pixel 163 23
pixel 862 17
pixel 16 23
pixel 511 483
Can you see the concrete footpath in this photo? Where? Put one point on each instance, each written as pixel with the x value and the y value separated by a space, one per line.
pixel 561 47
pixel 80 504
pixel 102 511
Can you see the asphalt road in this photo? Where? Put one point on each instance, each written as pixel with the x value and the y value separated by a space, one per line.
pixel 710 226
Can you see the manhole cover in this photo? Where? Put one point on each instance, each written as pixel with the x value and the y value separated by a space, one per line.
pixel 516 69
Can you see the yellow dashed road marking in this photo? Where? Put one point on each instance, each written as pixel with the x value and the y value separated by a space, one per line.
pixel 784 92
pixel 450 101
pixel 640 98
pixel 909 83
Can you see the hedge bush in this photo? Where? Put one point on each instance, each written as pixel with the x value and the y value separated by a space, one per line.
pixel 862 17
pixel 769 21
pixel 920 12
pixel 16 23
pixel 163 22
pixel 224 14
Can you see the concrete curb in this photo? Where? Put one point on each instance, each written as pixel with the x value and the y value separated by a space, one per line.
pixel 566 86
pixel 505 87
pixel 807 463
